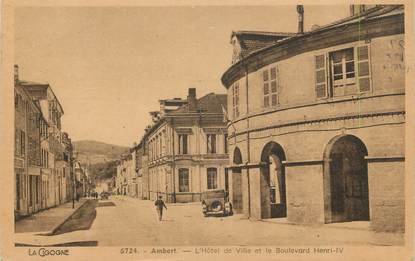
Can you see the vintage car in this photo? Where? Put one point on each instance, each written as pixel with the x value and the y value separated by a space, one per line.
pixel 104 195
pixel 216 202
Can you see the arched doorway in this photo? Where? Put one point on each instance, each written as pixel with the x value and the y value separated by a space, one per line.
pixel 237 182
pixel 346 180
pixel 273 193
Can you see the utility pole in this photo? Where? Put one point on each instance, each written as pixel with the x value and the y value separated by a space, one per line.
pixel 174 161
pixel 74 181
pixel 72 176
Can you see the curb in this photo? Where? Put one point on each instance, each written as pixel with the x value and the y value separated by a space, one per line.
pixel 67 218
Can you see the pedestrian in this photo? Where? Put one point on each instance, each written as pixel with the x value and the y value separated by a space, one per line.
pixel 159 203
pixel 77 197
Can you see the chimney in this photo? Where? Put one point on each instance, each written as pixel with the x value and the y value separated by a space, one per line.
pixel 191 100
pixel 16 74
pixel 300 11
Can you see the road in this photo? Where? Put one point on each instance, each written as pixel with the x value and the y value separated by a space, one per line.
pixel 125 221
pixel 133 222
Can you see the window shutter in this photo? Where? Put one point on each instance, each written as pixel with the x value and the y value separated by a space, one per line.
pixel 276 96
pixel 363 68
pixel 320 76
pixel 17 141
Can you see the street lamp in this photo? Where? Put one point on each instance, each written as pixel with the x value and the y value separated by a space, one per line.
pixel 73 179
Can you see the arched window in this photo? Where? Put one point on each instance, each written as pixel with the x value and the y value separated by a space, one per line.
pixel 212 178
pixel 183 180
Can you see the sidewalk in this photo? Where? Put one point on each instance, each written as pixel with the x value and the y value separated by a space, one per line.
pixel 45 221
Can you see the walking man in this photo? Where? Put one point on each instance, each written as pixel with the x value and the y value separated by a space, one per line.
pixel 159 203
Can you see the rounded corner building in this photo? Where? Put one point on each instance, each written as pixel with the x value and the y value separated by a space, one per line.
pixel 317 121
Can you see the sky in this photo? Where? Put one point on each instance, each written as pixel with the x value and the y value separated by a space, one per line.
pixel 109 66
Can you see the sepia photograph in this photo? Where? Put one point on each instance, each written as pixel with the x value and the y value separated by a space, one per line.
pixel 187 130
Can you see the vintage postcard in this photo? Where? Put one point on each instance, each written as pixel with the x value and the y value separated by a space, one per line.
pixel 184 130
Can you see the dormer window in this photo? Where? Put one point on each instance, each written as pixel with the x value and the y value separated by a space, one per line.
pixel 236 54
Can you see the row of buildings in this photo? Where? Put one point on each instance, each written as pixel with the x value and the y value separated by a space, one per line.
pixel 43 153
pixel 312 127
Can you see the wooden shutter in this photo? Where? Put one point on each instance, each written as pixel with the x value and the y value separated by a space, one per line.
pixel 274 86
pixel 17 147
pixel 363 68
pixel 320 76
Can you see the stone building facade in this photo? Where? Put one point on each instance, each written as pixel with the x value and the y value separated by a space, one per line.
pixel 27 153
pixel 184 151
pixel 317 125
pixel 52 111
pixel 42 151
pixel 82 180
pixel 126 175
pixel 128 180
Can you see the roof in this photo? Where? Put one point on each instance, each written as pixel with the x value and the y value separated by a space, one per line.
pixel 33 87
pixel 251 41
pixel 35 103
pixel 375 12
pixel 210 103
pixel 262 33
pixel 371 14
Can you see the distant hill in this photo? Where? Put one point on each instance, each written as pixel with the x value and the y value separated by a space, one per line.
pixel 100 157
pixel 92 152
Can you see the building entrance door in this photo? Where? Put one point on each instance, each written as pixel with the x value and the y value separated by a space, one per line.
pixel 237 199
pixel 349 193
pixel 277 187
pixel 273 192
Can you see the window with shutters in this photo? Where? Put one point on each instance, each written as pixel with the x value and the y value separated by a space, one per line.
pixel 235 100
pixel 225 143
pixel 211 143
pixel 183 180
pixel 212 178
pixel 182 143
pixel 342 72
pixel 270 87
pixel 17 141
pixel 321 79
pixel 18 191
pixel 363 68
pixel 22 143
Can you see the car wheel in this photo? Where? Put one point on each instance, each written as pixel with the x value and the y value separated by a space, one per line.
pixel 216 206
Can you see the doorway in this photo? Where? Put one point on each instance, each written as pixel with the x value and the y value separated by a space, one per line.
pixel 237 182
pixel 346 178
pixel 273 173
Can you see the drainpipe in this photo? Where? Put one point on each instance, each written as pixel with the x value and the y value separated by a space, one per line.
pixel 248 140
pixel 174 162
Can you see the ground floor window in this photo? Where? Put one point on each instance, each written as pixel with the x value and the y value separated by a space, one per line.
pixel 183 180
pixel 18 192
pixel 30 190
pixel 212 178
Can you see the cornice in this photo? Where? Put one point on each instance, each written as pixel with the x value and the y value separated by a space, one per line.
pixel 315 103
pixel 319 120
